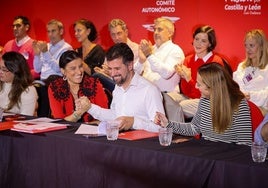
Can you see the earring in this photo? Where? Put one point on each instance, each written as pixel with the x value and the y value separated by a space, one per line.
pixel 64 78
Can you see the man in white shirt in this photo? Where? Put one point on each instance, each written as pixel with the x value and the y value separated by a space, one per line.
pixel 156 62
pixel 47 55
pixel 135 99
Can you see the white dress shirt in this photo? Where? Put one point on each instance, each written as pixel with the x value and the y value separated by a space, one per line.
pixel 140 100
pixel 159 67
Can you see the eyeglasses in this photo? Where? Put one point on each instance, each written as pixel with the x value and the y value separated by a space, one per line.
pixel 4 70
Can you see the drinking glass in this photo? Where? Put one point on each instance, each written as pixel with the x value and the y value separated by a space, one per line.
pixel 112 130
pixel 165 136
pixel 258 152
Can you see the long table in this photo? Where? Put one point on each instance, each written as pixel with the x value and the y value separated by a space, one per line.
pixel 63 159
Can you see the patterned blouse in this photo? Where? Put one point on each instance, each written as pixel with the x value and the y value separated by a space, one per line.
pixel 62 102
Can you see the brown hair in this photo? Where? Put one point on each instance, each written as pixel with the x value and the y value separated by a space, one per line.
pixel 17 65
pixel 225 95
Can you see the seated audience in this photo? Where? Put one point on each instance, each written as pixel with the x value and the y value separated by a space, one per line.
pixel 135 99
pixel 63 91
pixel 92 54
pixel 252 73
pixel 47 55
pixel 223 113
pixel 204 42
pixel 17 95
pixel 46 61
pixel 22 43
pixel 119 33
pixel 261 133
pixel 156 62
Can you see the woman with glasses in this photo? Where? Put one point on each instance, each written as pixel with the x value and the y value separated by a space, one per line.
pixel 17 94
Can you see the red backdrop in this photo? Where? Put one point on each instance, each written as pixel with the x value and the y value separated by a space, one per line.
pixel 230 19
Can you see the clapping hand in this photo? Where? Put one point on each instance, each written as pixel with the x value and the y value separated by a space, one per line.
pixel 39 46
pixel 36 48
pixel 184 72
pixel 145 49
pixel 104 70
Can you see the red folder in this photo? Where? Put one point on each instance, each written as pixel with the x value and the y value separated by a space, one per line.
pixel 6 125
pixel 137 135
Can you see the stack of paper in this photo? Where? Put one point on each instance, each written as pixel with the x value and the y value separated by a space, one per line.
pixel 38 125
